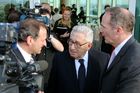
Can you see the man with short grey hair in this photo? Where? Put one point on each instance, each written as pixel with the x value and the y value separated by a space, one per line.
pixel 122 74
pixel 77 70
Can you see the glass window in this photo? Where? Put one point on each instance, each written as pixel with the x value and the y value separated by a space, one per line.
pixel 93 10
pixel 122 3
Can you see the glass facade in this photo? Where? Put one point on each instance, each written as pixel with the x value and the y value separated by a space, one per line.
pixel 93 8
pixel 137 24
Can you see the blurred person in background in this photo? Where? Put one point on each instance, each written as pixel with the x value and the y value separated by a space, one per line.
pixel 107 48
pixel 81 16
pixel 63 27
pixel 74 15
pixel 56 16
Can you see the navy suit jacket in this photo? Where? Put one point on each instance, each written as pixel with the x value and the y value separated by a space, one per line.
pixel 63 77
pixel 123 75
pixel 17 57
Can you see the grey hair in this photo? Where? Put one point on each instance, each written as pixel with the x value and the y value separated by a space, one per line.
pixel 122 17
pixel 85 30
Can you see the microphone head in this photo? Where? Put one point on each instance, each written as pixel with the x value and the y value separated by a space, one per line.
pixel 43 64
pixel 38 66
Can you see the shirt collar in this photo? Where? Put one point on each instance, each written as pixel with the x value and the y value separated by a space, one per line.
pixel 85 57
pixel 118 48
pixel 25 55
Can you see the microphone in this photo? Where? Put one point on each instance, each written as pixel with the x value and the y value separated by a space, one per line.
pixel 56 43
pixel 38 66
pixel 13 69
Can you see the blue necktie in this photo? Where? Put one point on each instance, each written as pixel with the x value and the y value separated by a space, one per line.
pixel 81 75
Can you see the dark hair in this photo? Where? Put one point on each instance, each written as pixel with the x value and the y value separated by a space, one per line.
pixel 13 17
pixel 56 10
pixel 29 27
pixel 106 6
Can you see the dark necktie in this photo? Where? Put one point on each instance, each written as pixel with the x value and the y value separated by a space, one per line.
pixel 81 75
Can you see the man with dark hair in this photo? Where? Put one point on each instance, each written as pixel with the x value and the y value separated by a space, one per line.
pixel 32 37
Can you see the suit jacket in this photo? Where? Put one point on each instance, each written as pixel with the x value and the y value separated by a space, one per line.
pixel 17 57
pixel 123 75
pixel 63 77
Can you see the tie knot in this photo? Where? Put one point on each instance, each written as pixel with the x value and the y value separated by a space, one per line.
pixel 31 60
pixel 81 61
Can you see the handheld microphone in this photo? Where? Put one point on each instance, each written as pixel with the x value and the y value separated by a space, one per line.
pixel 13 70
pixel 38 66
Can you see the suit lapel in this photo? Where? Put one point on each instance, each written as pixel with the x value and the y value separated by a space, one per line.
pixel 71 71
pixel 121 53
pixel 18 55
pixel 90 68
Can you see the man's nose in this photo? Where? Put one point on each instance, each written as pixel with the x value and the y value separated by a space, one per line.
pixel 45 43
pixel 72 46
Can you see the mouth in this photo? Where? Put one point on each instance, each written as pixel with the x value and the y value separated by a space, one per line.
pixel 73 52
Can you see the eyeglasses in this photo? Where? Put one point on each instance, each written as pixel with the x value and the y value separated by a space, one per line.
pixel 76 44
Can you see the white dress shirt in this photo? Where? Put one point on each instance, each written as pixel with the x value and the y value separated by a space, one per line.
pixel 26 56
pixel 117 50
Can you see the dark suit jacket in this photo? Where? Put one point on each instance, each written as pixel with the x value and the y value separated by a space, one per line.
pixel 123 75
pixel 17 57
pixel 63 78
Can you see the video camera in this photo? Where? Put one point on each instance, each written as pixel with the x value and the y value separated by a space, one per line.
pixel 19 73
pixel 36 13
pixel 8 36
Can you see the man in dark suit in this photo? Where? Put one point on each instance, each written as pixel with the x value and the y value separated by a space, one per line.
pixel 31 38
pixel 122 74
pixel 65 73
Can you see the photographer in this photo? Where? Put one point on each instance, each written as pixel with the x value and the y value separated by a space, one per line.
pixel 31 38
pixel 53 44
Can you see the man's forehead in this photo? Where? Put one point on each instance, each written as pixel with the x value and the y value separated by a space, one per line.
pixel 77 36
pixel 106 18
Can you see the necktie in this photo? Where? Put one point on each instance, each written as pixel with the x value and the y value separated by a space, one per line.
pixel 81 75
pixel 111 58
pixel 32 60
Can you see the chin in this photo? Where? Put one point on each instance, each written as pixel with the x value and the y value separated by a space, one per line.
pixel 38 52
pixel 73 55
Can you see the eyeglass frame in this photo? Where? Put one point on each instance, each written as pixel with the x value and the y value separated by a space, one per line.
pixel 76 44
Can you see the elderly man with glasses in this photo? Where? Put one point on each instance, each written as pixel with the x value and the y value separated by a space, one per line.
pixel 79 69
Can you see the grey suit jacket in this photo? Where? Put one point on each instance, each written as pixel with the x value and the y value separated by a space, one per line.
pixel 123 75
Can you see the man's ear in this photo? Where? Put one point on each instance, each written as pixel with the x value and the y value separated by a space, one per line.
pixel 119 29
pixel 29 40
pixel 90 45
